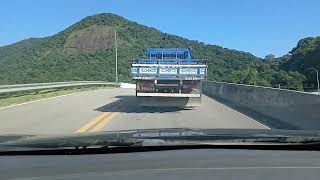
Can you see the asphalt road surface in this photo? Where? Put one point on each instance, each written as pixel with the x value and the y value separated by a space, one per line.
pixel 114 109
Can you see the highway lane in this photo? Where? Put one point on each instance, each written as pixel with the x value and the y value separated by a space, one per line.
pixel 114 109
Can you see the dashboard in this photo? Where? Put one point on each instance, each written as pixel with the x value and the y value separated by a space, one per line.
pixel 171 164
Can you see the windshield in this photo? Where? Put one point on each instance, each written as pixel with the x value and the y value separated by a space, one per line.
pixel 73 69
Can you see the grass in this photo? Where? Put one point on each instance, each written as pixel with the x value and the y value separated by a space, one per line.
pixel 18 98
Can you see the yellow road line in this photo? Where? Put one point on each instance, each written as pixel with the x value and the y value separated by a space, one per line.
pixel 95 121
pixel 106 121
pixel 92 122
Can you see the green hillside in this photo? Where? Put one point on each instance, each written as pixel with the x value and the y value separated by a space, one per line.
pixel 85 51
pixel 306 55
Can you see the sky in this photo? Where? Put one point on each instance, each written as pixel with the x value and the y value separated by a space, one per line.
pixel 260 27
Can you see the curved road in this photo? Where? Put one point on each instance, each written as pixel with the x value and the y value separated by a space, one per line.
pixel 114 109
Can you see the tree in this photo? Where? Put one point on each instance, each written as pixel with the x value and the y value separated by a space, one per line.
pixel 269 57
pixel 249 76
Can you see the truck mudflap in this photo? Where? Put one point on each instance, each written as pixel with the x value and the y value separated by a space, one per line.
pixel 183 102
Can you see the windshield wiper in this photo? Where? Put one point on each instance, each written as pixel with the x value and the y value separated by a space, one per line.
pixel 159 137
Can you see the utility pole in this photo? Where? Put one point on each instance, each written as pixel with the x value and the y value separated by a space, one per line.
pixel 255 77
pixel 115 44
pixel 317 73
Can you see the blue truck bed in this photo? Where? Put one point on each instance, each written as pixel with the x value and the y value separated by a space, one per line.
pixel 175 64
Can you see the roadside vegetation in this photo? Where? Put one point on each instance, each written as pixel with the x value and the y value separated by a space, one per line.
pixel 23 97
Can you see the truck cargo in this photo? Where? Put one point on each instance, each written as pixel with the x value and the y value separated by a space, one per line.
pixel 169 77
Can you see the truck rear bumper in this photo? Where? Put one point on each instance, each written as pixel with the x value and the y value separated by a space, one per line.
pixel 168 95
pixel 182 102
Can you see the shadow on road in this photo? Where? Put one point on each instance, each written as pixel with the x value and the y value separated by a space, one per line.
pixel 129 104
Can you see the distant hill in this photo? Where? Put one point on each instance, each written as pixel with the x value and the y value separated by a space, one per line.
pixel 85 51
pixel 305 55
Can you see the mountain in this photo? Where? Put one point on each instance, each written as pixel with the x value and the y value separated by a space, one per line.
pixel 85 51
pixel 304 56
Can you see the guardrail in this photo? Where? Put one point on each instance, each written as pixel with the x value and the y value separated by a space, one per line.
pixel 41 86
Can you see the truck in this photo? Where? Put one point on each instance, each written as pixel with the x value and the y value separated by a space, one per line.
pixel 169 77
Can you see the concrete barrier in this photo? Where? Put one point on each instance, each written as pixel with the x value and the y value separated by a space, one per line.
pixel 276 108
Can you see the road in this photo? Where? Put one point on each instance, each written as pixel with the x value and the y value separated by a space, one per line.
pixel 114 109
